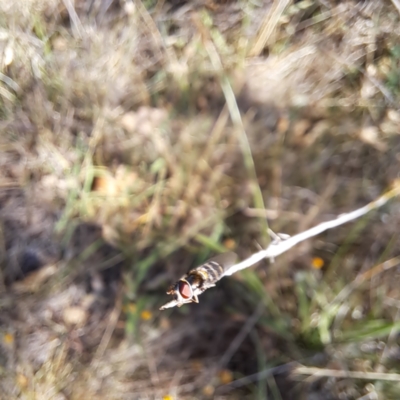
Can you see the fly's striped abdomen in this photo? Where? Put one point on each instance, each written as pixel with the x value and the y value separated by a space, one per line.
pixel 212 271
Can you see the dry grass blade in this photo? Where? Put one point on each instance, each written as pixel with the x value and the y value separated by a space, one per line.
pixel 396 3
pixel 76 23
pixel 270 22
pixel 112 322
pixel 247 327
pixel 237 121
pixel 333 373
pixel 281 369
pixel 365 276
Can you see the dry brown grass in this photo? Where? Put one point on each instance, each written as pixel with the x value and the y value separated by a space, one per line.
pixel 124 160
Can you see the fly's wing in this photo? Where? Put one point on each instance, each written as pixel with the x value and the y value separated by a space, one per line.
pixel 226 260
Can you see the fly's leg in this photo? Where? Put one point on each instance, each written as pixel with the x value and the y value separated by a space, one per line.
pixel 195 299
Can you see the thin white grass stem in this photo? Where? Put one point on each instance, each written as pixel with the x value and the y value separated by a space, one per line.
pixel 277 248
pixel 320 372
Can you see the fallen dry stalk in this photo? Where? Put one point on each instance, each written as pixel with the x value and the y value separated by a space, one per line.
pixel 321 372
pixel 278 247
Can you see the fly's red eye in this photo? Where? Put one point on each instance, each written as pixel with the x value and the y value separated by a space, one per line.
pixel 185 290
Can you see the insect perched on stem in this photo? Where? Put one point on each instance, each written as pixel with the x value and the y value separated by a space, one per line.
pixel 199 279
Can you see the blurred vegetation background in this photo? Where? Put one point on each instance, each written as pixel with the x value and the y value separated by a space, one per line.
pixel 138 138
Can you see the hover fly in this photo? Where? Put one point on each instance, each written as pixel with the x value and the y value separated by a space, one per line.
pixel 199 279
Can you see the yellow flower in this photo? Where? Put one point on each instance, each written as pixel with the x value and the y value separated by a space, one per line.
pixel 230 244
pixel 317 262
pixel 22 381
pixel 208 390
pixel 8 338
pixel 146 315
pixel 225 376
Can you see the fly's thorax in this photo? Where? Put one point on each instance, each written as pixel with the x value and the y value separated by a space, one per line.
pixel 196 278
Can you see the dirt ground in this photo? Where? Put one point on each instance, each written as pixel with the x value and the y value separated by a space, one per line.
pixel 139 138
